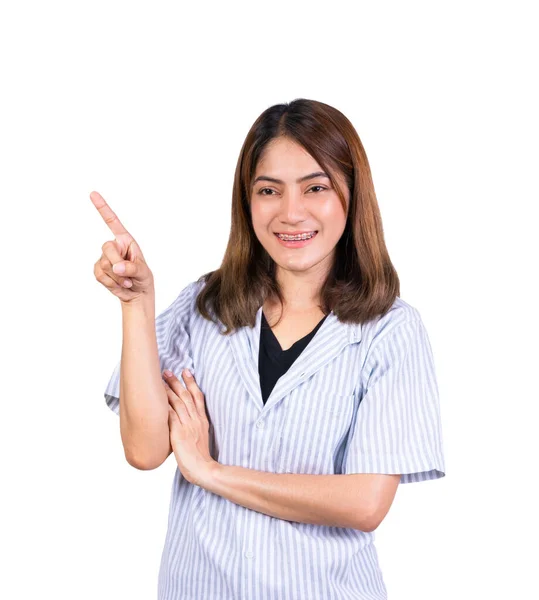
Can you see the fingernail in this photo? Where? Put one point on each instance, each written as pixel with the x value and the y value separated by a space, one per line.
pixel 167 373
pixel 118 268
pixel 187 373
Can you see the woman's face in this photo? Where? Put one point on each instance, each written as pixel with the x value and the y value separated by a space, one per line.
pixel 282 203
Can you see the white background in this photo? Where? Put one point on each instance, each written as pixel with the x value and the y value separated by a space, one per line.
pixel 149 104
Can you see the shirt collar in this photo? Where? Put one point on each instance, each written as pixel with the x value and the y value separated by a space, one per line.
pixel 327 343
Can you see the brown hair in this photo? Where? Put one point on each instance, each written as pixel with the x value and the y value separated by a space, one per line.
pixel 363 283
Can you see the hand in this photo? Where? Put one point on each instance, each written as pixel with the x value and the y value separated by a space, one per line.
pixel 136 279
pixel 189 428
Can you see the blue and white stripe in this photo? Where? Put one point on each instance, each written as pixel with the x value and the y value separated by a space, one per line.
pixel 358 399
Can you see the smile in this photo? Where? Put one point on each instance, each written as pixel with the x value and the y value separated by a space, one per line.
pixel 296 241
pixel 299 236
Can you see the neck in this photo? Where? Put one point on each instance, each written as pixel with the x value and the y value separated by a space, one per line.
pixel 300 290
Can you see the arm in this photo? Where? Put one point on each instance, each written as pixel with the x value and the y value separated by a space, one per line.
pixel 359 501
pixel 143 398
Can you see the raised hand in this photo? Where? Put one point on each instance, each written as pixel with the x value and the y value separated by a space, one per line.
pixel 121 268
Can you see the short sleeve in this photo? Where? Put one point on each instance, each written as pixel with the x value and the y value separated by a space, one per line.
pixel 173 334
pixel 397 426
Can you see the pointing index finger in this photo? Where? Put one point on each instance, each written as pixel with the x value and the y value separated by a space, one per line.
pixel 108 215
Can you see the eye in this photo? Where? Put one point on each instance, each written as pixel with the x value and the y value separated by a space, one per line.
pixel 270 190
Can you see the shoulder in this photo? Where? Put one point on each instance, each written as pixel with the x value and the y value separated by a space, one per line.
pixel 183 307
pixel 399 322
pixel 189 292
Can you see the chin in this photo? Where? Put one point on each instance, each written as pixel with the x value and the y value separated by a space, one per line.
pixel 300 265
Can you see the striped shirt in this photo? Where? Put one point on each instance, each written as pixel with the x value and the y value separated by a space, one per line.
pixel 358 399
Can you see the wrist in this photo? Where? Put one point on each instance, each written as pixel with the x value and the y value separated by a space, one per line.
pixel 143 306
pixel 209 475
pixel 145 299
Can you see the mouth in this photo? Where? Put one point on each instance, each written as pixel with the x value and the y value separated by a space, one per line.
pixel 296 241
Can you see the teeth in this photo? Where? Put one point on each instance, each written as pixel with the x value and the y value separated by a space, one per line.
pixel 302 236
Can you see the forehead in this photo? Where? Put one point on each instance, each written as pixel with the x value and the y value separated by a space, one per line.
pixel 286 156
pixel 287 160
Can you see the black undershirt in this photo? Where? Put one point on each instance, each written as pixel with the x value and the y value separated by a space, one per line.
pixel 272 360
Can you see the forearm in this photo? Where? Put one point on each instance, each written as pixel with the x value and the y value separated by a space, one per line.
pixel 331 500
pixel 143 398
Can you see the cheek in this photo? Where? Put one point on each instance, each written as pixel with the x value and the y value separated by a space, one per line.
pixel 334 216
pixel 261 218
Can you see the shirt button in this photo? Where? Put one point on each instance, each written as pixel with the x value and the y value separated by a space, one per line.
pixel 260 424
pixel 249 554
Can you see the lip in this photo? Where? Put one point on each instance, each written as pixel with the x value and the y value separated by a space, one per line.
pixel 297 243
pixel 294 232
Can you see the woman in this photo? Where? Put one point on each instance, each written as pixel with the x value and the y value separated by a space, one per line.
pixel 314 391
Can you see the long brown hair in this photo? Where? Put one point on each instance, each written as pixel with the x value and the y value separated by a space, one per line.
pixel 362 283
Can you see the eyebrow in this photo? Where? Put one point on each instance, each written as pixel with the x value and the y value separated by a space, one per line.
pixel 300 180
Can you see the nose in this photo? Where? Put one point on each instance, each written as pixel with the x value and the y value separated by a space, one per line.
pixel 292 208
